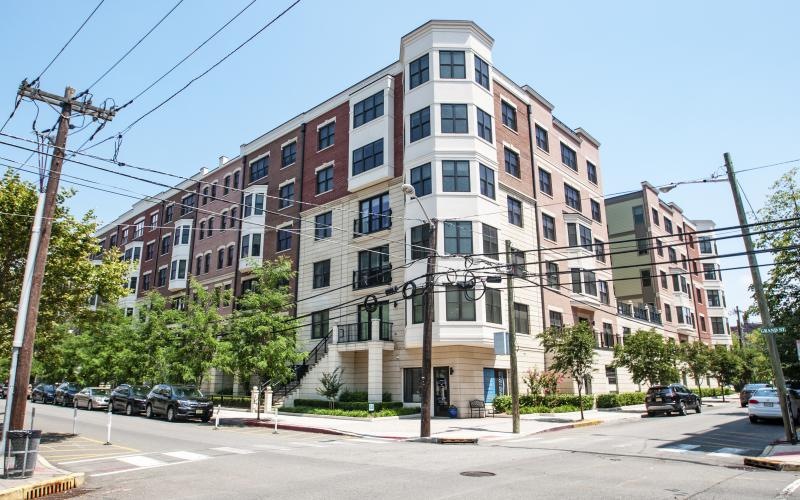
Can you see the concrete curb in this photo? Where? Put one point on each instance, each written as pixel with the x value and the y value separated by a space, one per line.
pixel 50 486
pixel 574 425
pixel 768 463
pixel 317 430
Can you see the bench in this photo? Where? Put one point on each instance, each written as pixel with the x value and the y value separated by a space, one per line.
pixel 479 407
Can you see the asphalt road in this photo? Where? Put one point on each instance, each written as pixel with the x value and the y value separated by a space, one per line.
pixel 698 456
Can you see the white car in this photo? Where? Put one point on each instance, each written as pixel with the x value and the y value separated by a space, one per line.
pixel 764 403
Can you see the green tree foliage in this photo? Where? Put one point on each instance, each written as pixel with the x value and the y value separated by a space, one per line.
pixel 754 356
pixel 782 286
pixel 70 276
pixel 648 358
pixel 697 358
pixel 725 366
pixel 572 348
pixel 330 385
pixel 262 339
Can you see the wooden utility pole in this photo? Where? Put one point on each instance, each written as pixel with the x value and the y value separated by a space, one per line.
pixel 512 338
pixel 427 336
pixel 739 327
pixel 22 370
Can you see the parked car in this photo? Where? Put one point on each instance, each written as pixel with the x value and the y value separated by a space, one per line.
pixel 91 398
pixel 671 398
pixel 65 393
pixel 178 401
pixel 764 403
pixel 132 399
pixel 44 393
pixel 748 390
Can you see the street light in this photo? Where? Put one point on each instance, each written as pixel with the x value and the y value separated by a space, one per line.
pixel 427 329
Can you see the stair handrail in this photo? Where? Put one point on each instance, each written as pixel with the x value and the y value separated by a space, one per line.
pixel 322 344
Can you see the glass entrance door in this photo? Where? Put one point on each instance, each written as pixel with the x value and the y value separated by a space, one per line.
pixel 441 390
pixel 364 318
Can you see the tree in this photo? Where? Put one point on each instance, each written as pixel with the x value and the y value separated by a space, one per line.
pixel 696 356
pixel 782 287
pixel 647 357
pixel 572 348
pixel 70 278
pixel 539 383
pixel 262 339
pixel 725 366
pixel 756 366
pixel 330 385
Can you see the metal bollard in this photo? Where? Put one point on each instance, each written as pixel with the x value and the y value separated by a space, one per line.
pixel 75 421
pixel 276 422
pixel 108 432
pixel 216 423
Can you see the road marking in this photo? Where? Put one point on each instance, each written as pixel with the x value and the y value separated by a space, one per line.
pixel 236 451
pixel 186 455
pixel 789 489
pixel 312 445
pixel 727 452
pixel 622 445
pixel 680 448
pixel 272 447
pixel 98 459
pixel 141 461
pixel 556 440
pixel 114 472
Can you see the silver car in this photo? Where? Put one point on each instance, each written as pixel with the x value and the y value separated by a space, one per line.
pixel 91 398
pixel 748 391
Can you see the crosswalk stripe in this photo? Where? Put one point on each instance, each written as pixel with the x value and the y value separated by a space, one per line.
pixel 236 451
pixel 680 448
pixel 727 452
pixel 141 461
pixel 186 455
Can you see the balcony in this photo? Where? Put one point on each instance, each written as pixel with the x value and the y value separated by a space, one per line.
pixel 372 223
pixel 360 332
pixel 640 311
pixel 370 277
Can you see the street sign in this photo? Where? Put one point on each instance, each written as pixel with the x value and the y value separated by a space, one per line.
pixel 773 329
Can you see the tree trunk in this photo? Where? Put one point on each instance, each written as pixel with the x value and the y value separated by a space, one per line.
pixel 580 399
pixel 721 389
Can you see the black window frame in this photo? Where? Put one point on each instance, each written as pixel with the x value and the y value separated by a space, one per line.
pixel 368 109
pixel 320 323
pixel 258 169
pixel 509 115
pixel 456 70
pixel 487 181
pixel 285 195
pixel 549 227
pixel 591 172
pixel 482 73
pixel 288 154
pixel 323 225
pixel 375 214
pixel 522 316
pixel 324 177
pixel 597 213
pixel 493 304
pixel 422 179
pixel 545 182
pixel 453 180
pixel 490 241
pixel 368 157
pixel 419 123
pixel 419 71
pixel 553 274
pixel 420 241
pixel 321 277
pixel 326 136
pixel 464 307
pixel 515 211
pixel 484 124
pixel 451 121
pixel 569 157
pixel 542 138
pixel 572 197
pixel 458 237
pixel 511 162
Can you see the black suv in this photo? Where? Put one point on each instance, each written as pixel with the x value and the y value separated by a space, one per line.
pixel 65 394
pixel 132 399
pixel 671 398
pixel 178 401
pixel 44 393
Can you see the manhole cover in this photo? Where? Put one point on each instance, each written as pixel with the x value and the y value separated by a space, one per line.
pixel 477 473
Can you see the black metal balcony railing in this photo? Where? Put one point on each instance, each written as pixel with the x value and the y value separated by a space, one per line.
pixel 374 276
pixel 640 311
pixel 360 332
pixel 372 222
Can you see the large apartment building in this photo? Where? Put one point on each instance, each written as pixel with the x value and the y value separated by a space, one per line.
pixel 712 280
pixel 490 166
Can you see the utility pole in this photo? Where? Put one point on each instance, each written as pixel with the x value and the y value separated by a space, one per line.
pixel 22 349
pixel 427 335
pixel 512 339
pixel 739 327
pixel 763 307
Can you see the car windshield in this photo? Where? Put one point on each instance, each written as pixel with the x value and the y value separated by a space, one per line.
pixel 660 390
pixel 140 390
pixel 187 392
pixel 767 392
pixel 99 392
pixel 753 387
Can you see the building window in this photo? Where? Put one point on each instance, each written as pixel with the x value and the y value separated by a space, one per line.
pixel 481 72
pixel 668 312
pixel 641 245
pixel 149 251
pixel 591 172
pixel 325 180
pixel 326 135
pixel 576 230
pixel 420 241
pixel 572 197
pixel 514 211
pixel 255 245
pixel 178 269
pixel 162 276
pixel 509 114
pixel 673 255
pixel 512 162
pixel 323 226
pixel 165 244
pixel 655 216
pixel 226 185
pixel 245 246
pixel 367 110
pixel 491 246
pixel 486 181
pixel 494 310
pixel 548 227
pixel 231 251
pixel 374 215
pixel 705 245
pixel 455 176
pixel 319 324
pixel 412 385
pixel 286 195
pixel 210 230
pixel 258 169
pixel 288 154
pixel 188 203
pixel 202 231
pixel 451 64
pixel 644 274
pixel 459 307
pixel 368 157
pixel 284 240
pixel 236 180
pixel 454 119
pixel 418 71
pixel 668 225
pixel 207 263
pixel 603 287
pixel 421 180
pixel 596 215
pixel 205 195
pixel 664 282
pixel 518 266
pixel 522 322
pixel 542 140
pixel 234 219
pixel 589 283
pixel 420 124
pixel 138 230
pixel 709 271
pixel 457 237
pixel 569 157
pixel 146 282
pixel 220 258
pixel 214 191
pixel 373 268
pixel 659 248
pixel 553 280
pixel 322 273
pixel 545 182
pixel 418 307
pixel 223 220
pixel 717 326
pixel 168 212
pixel 556 320
pixel 484 125
pixel 253 205
pixel 599 250
pixel 713 298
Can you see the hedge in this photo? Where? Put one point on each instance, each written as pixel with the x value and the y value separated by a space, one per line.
pixel 230 401
pixel 349 405
pixel 549 403
pixel 544 409
pixel 338 412
pixel 706 392
pixel 621 399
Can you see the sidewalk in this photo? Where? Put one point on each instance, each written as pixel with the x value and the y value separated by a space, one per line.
pixel 46 480
pixel 785 457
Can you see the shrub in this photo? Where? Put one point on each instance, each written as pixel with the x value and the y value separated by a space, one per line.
pixel 355 405
pixel 387 397
pixel 707 392
pixel 502 404
pixel 339 412
pixel 348 396
pixel 621 399
pixel 544 409
pixel 230 401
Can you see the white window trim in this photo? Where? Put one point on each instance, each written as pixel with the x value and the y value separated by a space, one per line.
pixel 294 139
pixel 326 122
pixel 512 148
pixel 324 166
pixel 285 183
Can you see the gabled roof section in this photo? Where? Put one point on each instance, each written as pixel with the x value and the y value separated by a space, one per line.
pixel 448 24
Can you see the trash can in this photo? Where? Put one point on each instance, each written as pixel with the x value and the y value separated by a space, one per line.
pixel 22 450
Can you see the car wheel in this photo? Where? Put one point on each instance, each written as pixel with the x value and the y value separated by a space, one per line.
pixel 149 411
pixel 89 406
pixel 699 407
pixel 651 414
pixel 682 409
pixel 753 419
pixel 170 414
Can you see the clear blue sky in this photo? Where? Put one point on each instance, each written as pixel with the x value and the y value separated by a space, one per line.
pixel 666 87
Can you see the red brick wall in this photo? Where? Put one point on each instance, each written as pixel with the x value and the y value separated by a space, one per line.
pixel 519 140
pixel 338 153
